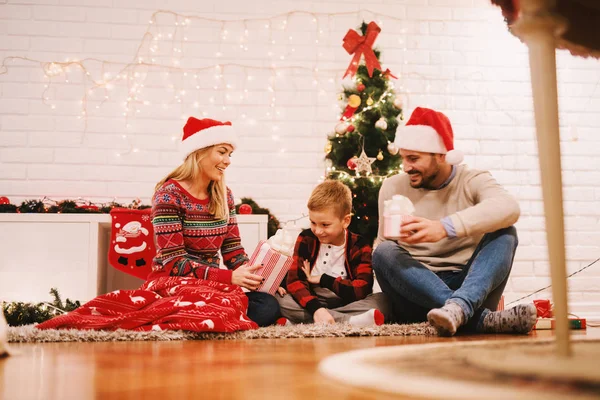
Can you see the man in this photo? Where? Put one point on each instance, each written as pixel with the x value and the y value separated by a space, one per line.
pixel 454 257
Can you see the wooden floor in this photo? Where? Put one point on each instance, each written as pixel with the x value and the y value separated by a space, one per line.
pixel 248 369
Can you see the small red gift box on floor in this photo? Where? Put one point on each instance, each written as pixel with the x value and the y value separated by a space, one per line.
pixel 501 304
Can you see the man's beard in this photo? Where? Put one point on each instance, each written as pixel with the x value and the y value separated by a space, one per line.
pixel 426 181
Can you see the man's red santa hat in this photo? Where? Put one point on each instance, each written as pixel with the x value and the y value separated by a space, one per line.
pixel 428 131
pixel 201 133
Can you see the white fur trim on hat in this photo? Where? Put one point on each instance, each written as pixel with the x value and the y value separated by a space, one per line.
pixel 454 157
pixel 208 137
pixel 421 138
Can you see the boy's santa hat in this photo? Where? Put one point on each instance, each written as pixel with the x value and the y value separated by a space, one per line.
pixel 201 133
pixel 428 131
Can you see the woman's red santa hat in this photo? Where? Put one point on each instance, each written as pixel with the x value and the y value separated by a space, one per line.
pixel 201 133
pixel 428 131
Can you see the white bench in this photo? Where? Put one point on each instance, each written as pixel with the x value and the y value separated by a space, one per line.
pixel 70 252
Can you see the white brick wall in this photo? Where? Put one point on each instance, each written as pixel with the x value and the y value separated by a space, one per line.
pixel 455 55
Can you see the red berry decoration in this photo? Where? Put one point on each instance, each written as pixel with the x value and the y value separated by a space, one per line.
pixel 4 200
pixel 360 87
pixel 350 128
pixel 245 209
pixel 351 164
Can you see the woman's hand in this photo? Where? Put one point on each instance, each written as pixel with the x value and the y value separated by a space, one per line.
pixel 282 292
pixel 244 277
pixel 311 279
pixel 322 316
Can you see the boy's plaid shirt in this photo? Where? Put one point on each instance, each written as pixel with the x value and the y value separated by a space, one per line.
pixel 357 286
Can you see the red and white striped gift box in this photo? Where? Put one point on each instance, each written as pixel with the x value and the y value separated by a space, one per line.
pixel 275 266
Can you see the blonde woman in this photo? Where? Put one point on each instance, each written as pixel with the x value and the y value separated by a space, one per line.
pixel 193 214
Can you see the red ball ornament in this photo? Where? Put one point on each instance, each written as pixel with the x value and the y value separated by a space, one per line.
pixel 4 200
pixel 245 209
pixel 350 128
pixel 351 164
pixel 360 87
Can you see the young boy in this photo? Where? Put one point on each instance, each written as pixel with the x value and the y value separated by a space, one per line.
pixel 331 279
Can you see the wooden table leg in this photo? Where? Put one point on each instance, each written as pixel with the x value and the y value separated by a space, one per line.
pixel 538 29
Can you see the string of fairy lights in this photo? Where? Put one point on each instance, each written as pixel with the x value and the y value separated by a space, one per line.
pixel 195 56
pixel 162 51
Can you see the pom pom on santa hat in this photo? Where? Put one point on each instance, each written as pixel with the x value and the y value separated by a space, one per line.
pixel 428 131
pixel 201 133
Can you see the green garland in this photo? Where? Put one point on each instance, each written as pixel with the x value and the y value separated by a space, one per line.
pixel 273 223
pixel 71 207
pixel 19 313
pixel 66 207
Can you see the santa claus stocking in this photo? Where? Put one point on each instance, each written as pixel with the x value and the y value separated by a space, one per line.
pixel 131 241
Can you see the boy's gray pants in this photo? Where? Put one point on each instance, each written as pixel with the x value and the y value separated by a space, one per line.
pixel 294 312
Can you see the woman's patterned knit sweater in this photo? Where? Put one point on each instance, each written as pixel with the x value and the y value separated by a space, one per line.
pixel 188 237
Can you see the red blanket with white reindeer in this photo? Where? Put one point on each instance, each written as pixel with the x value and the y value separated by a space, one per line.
pixel 164 303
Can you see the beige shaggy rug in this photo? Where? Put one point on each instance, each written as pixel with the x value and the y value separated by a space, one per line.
pixel 29 334
pixel 520 369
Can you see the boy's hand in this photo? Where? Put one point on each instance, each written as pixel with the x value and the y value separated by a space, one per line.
pixel 422 230
pixel 311 279
pixel 244 277
pixel 282 292
pixel 322 316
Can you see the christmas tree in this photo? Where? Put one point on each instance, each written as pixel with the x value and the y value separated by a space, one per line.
pixel 361 152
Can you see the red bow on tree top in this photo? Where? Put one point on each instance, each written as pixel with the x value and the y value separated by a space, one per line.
pixel 358 45
pixel 388 74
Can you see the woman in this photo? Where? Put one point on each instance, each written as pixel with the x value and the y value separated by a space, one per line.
pixel 194 217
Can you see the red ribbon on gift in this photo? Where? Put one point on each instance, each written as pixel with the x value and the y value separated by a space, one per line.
pixel 359 45
pixel 544 308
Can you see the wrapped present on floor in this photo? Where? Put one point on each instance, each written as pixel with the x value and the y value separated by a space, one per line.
pixel 550 323
pixel 500 304
pixel 275 266
pixel 545 314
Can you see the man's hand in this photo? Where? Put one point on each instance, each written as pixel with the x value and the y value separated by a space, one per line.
pixel 244 277
pixel 322 316
pixel 422 230
pixel 311 279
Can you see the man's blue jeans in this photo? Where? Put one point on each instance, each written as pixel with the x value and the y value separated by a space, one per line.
pixel 413 289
